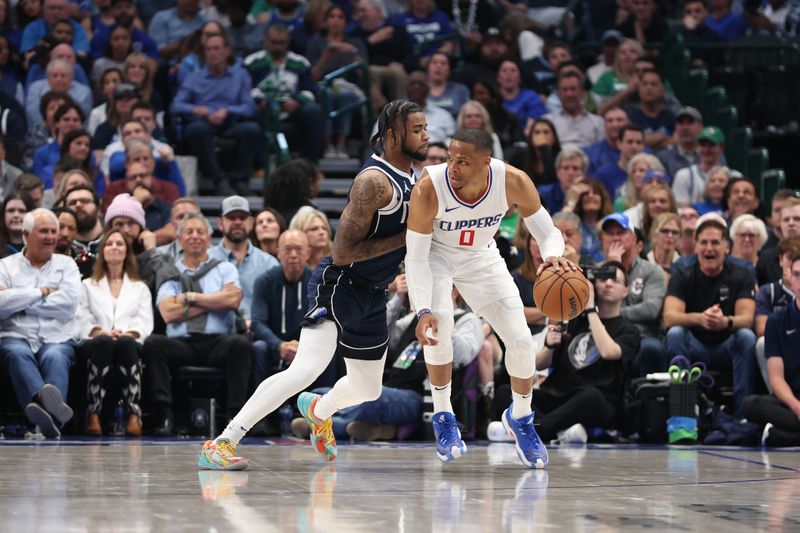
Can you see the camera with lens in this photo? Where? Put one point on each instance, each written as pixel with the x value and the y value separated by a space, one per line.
pixel 593 272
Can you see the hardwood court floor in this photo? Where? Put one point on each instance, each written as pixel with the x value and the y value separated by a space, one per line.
pixel 154 485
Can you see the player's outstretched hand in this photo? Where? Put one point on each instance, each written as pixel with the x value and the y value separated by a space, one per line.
pixel 427 322
pixel 558 263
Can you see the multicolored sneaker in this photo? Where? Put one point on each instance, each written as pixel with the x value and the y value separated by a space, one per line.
pixel 220 455
pixel 530 448
pixel 322 439
pixel 449 445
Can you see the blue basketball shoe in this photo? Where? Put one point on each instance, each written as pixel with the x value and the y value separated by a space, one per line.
pixel 530 448
pixel 449 445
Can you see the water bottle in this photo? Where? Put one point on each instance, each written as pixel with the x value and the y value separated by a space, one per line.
pixel 286 413
pixel 118 429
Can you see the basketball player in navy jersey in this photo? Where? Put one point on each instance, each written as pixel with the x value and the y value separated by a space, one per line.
pixel 456 208
pixel 347 295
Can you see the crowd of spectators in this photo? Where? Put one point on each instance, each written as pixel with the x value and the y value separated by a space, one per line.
pixel 111 269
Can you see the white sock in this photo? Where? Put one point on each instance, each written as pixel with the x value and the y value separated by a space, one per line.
pixel 522 405
pixel 233 433
pixel 441 398
pixel 362 383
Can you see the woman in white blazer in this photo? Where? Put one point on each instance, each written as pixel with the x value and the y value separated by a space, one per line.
pixel 116 316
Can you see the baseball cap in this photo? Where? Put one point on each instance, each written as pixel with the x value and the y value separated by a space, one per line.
pixel 612 35
pixel 125 88
pixel 620 218
pixel 493 33
pixel 690 112
pixel 656 174
pixel 712 134
pixel 235 203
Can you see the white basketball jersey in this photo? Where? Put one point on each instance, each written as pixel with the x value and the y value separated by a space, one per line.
pixel 461 226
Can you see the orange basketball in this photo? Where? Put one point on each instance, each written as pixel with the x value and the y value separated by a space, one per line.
pixel 561 295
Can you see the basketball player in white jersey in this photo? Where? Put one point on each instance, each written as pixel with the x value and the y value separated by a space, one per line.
pixel 455 211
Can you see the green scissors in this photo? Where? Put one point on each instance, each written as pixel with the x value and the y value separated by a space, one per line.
pixel 680 375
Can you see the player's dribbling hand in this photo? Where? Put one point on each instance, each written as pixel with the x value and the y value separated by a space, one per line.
pixel 558 263
pixel 427 322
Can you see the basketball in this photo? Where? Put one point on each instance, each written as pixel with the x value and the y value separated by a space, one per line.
pixel 561 295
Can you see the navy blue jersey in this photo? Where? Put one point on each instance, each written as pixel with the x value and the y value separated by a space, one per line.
pixel 388 221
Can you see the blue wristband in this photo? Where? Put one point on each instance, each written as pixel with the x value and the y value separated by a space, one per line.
pixel 423 312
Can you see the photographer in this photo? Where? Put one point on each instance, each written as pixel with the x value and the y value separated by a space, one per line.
pixel 588 362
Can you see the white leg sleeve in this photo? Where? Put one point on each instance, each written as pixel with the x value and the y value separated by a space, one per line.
pixel 507 318
pixel 363 383
pixel 316 349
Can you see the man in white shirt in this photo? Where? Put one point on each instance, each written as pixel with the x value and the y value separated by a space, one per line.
pixel 39 294
pixel 575 126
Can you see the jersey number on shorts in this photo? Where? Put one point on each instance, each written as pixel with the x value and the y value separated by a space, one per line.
pixel 467 237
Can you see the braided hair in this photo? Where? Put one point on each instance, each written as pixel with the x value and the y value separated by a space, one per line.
pixel 394 111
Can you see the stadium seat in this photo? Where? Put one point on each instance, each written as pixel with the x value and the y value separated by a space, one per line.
pixel 697 85
pixel 772 181
pixel 757 163
pixel 727 119
pixel 739 145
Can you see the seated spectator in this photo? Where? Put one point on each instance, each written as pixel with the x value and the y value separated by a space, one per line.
pixel 327 53
pixel 84 201
pixel 40 295
pixel 606 151
pixel 772 297
pixel 29 185
pixel 285 88
pixel 664 237
pixel 569 224
pixel 590 395
pixel 729 25
pixel 59 77
pixel 124 16
pixel 424 24
pixel 195 58
pixel 279 296
pixel 610 41
pixel 76 144
pixel 740 198
pixel 119 47
pixel 171 27
pixel 235 248
pixel 571 164
pixel 166 175
pixel 774 219
pixel 441 125
pixel 437 154
pixel 318 230
pixel 690 182
pixel 449 95
pixel 686 150
pixel 15 206
pixel 286 12
pixel 779 413
pixel 67 227
pixel 646 289
pixel 537 158
pixel 688 216
pixel 575 125
pixel 199 306
pixel 67 180
pixel 616 86
pixel 525 278
pixel 180 208
pixel 313 23
pixel 116 316
pixel 38 136
pixel 139 72
pixel 139 184
pixel 524 103
pixel 216 101
pixel 657 199
pixel 645 24
pixel 8 172
pixel 709 311
pixel 291 186
pixel 768 267
pixel 543 68
pixel 104 91
pixel 589 200
pixel 389 50
pixel 63 51
pixel 714 195
pixel 67 118
pixel 644 170
pixel 268 226
pixel 52 12
pixel 696 30
pixel 630 142
pixel 474 115
pixel 651 113
pixel 552 102
pixel 113 162
pixel 119 109
pixel 748 235
pixel 504 123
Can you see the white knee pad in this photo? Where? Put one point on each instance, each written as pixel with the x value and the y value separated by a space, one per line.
pixel 507 318
pixel 442 353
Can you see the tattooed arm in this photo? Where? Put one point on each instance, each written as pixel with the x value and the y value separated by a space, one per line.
pixel 371 191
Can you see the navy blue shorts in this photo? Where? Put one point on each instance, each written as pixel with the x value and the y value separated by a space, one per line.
pixel 357 308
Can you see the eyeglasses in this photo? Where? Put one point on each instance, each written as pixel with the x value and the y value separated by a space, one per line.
pixel 82 201
pixel 747 236
pixel 667 231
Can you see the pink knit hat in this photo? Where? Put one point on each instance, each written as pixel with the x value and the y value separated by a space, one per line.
pixel 125 205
